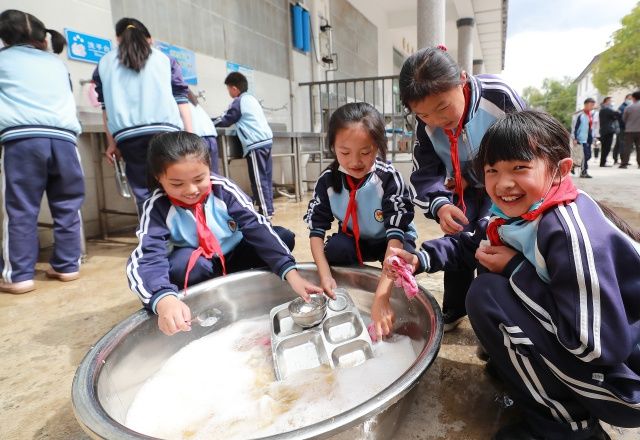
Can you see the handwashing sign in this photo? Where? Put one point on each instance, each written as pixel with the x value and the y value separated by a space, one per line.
pixel 85 47
pixel 185 57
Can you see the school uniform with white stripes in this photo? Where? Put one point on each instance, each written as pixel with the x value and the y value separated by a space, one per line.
pixel 168 236
pixel 38 132
pixel 383 211
pixel 561 324
pixel 256 139
pixel 138 106
pixel 489 99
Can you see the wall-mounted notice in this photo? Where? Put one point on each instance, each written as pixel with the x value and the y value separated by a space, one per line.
pixel 185 57
pixel 85 47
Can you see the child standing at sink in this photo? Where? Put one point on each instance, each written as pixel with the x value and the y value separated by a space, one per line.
pixel 365 193
pixel 197 226
pixel 38 131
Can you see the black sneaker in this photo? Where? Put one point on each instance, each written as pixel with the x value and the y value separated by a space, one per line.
pixel 585 176
pixel 452 319
pixel 623 166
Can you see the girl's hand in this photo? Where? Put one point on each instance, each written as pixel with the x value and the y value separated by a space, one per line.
pixel 303 287
pixel 173 315
pixel 495 258
pixel 112 150
pixel 451 218
pixel 328 284
pixel 382 316
pixel 390 271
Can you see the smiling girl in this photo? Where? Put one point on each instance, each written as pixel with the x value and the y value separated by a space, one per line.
pixel 197 226
pixel 367 196
pixel 453 112
pixel 559 310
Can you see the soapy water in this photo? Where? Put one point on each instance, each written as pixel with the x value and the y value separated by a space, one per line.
pixel 223 386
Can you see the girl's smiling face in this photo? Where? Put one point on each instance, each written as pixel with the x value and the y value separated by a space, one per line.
pixel 442 110
pixel 355 150
pixel 515 185
pixel 186 180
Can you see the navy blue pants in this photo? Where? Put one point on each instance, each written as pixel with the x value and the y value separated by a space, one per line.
pixel 457 282
pixel 213 151
pixel 260 173
pixel 134 153
pixel 243 257
pixel 340 249
pixel 556 390
pixel 586 151
pixel 31 167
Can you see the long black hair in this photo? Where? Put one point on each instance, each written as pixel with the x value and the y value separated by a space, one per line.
pixel 168 148
pixel 17 27
pixel 427 72
pixel 355 113
pixel 134 47
pixel 529 135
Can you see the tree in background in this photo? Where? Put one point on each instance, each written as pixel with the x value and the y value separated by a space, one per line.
pixel 558 98
pixel 619 65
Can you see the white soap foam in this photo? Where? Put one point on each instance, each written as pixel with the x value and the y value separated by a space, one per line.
pixel 223 386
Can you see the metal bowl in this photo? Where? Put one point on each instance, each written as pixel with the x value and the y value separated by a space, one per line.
pixel 114 369
pixel 308 314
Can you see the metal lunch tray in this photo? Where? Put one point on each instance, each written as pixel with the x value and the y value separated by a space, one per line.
pixel 340 340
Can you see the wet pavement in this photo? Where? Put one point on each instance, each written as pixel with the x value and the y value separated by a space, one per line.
pixel 45 334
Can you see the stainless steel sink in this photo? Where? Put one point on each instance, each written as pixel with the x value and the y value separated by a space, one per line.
pixel 114 369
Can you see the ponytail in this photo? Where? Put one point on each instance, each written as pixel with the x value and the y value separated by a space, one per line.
pixel 58 42
pixel 134 48
pixel 17 27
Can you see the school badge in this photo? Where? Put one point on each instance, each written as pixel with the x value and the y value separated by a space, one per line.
pixel 232 225
pixel 377 214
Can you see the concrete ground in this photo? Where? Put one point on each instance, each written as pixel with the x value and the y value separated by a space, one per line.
pixel 44 334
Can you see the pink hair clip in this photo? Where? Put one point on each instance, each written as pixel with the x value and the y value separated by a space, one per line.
pixel 442 47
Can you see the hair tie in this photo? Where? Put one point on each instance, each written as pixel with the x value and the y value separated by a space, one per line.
pixel 130 26
pixel 442 47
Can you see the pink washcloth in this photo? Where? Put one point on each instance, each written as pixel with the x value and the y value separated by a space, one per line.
pixel 405 278
pixel 371 328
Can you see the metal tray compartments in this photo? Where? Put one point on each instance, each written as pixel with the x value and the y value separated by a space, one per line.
pixel 341 340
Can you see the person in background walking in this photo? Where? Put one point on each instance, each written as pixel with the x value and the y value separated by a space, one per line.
pixel 583 134
pixel 609 126
pixel 617 149
pixel 631 118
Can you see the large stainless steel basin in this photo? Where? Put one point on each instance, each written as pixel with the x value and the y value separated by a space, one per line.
pixel 114 369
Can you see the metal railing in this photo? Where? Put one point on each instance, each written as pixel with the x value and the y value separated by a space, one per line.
pixel 382 92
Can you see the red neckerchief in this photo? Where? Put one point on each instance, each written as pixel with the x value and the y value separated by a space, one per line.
pixel 352 211
pixel 453 142
pixel 208 243
pixel 566 192
pixel 590 117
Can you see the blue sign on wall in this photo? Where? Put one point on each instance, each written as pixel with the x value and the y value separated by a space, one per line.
pixel 185 57
pixel 85 47
pixel 245 70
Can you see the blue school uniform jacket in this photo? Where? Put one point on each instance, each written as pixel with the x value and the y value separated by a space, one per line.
pixel 35 96
pixel 384 205
pixel 140 103
pixel 577 274
pixel 231 218
pixel 252 128
pixel 490 99
pixel 582 132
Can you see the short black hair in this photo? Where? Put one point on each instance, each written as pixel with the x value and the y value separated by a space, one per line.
pixel 238 80
pixel 171 147
pixel 636 95
pixel 588 100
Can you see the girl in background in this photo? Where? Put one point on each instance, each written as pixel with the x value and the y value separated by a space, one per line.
pixel 38 132
pixel 139 88
pixel 367 196
pixel 197 226
pixel 453 112
pixel 559 309
pixel 203 126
